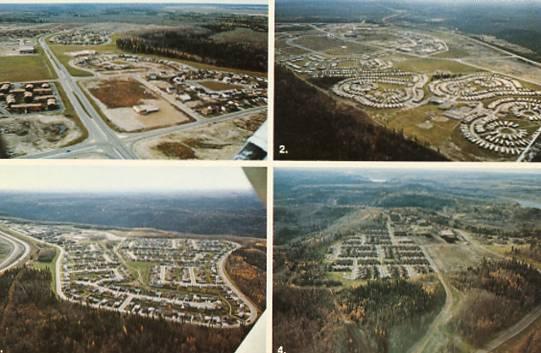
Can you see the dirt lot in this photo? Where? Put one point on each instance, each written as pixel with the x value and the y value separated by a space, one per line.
pixel 219 141
pixel 37 133
pixel 120 111
pixel 120 93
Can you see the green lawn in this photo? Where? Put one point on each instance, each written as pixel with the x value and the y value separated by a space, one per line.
pixel 143 268
pixel 20 68
pixel 48 266
pixel 433 65
pixel 61 52
pixel 5 249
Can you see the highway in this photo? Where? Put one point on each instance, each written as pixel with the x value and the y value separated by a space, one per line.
pixel 430 339
pixel 20 251
pixel 98 131
pixel 102 139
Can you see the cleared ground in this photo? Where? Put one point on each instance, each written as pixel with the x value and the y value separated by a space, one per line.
pixel 120 93
pixel 430 65
pixel 38 133
pixel 218 86
pixel 214 141
pixel 509 66
pixel 20 68
pixel 5 249
pixel 116 97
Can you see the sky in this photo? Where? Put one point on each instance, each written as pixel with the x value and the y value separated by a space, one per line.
pixel 244 2
pixel 407 168
pixel 107 177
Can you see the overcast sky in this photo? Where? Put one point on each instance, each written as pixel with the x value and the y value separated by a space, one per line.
pixel 111 177
pixel 246 2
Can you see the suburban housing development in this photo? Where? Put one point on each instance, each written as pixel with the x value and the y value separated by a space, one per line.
pixel 459 95
pixel 417 260
pixel 110 97
pixel 181 280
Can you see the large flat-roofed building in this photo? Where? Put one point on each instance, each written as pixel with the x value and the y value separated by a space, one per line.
pixel 27 49
pixel 145 109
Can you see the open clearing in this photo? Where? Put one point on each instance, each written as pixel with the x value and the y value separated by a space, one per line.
pixel 430 65
pixel 120 93
pixel 116 97
pixel 21 68
pixel 508 66
pixel 216 141
pixel 38 133
pixel 62 52
pixel 218 86
pixel 5 249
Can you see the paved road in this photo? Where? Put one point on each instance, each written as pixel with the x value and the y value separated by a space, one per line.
pixel 101 138
pixel 443 316
pixel 58 264
pixel 223 273
pixel 20 251
pixel 511 332
pixel 98 131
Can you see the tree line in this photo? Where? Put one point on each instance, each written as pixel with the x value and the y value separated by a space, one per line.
pixel 198 47
pixel 313 126
pixel 32 319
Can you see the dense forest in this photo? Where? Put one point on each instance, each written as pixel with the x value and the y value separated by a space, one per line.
pixel 247 267
pixel 313 126
pixel 33 320
pixel 531 251
pixel 201 46
pixel 497 294
pixel 381 317
pixel 3 149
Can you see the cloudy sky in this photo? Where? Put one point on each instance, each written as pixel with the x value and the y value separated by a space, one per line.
pixel 105 176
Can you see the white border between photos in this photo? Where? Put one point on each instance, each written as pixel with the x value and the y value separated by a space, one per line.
pixel 271 164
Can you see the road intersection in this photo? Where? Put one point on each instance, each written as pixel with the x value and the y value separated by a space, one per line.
pixel 102 140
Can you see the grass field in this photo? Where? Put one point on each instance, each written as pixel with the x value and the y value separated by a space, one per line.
pixel 218 86
pixel 142 268
pixel 319 42
pixel 62 53
pixel 22 68
pixel 48 266
pixel 348 48
pixel 433 65
pixel 5 249
pixel 424 123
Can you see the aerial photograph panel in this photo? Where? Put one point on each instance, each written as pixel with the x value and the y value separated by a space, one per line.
pixel 407 260
pixel 132 259
pixel 134 81
pixel 410 80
